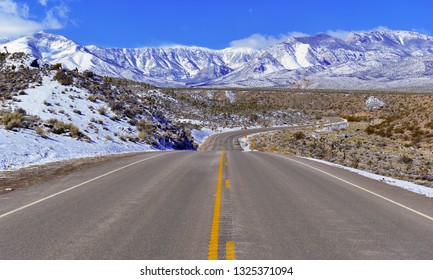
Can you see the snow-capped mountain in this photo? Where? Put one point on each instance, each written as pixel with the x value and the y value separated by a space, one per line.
pixel 305 61
pixel 372 59
pixel 154 65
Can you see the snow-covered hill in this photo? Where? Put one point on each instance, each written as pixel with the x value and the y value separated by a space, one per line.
pixel 364 60
pixel 47 114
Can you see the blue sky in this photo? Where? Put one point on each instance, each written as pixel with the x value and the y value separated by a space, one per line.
pixel 212 24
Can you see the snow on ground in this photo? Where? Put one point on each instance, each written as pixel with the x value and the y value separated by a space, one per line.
pixel 231 96
pixel 198 122
pixel 245 144
pixel 201 135
pixel 334 126
pixel 391 181
pixel 24 148
pixel 69 105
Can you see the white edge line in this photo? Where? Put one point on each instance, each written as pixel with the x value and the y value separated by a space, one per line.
pixel 76 186
pixel 361 188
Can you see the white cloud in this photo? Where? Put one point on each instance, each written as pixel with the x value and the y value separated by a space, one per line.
pixel 15 21
pixel 259 41
pixel 422 31
pixel 43 2
pixel 342 34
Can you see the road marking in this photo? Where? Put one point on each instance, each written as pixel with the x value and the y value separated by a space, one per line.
pixel 212 253
pixel 227 184
pixel 230 250
pixel 226 164
pixel 76 186
pixel 363 189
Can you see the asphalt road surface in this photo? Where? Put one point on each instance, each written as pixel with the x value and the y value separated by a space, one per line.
pixel 215 204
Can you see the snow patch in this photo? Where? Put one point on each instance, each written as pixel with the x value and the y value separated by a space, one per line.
pixel 334 126
pixel 301 51
pixel 191 121
pixel 231 96
pixel 245 144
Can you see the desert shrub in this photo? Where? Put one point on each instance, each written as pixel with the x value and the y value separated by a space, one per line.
pixel 41 132
pixel 92 98
pixel 117 106
pixel 60 127
pixel 405 159
pixel 74 131
pixel 102 110
pixel 88 74
pixel 253 117
pixel 429 124
pixel 299 135
pixel 63 78
pixel 12 120
pixel 369 130
pixel 56 66
pixel 76 111
pixel 143 125
pixel 356 118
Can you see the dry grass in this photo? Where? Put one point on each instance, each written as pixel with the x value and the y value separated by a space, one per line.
pixel 395 141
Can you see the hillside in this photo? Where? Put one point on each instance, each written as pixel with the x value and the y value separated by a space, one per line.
pixel 49 113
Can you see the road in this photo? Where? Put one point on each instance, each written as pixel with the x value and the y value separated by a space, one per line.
pixel 218 203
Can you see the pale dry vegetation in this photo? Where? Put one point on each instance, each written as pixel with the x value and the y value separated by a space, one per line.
pixel 395 141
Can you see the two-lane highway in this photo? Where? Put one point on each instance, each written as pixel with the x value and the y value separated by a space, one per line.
pixel 219 203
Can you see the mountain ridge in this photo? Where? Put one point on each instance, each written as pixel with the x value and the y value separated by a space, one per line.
pixel 305 61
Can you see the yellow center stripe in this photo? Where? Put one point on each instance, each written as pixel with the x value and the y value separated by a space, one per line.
pixel 230 250
pixel 214 233
pixel 227 184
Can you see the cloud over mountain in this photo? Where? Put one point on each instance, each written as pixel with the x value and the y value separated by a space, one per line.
pixel 16 19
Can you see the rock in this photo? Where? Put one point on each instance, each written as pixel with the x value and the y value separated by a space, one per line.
pixel 374 103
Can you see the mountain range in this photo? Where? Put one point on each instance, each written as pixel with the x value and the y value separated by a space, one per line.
pixel 379 59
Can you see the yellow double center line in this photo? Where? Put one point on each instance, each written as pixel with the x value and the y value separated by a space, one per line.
pixel 214 233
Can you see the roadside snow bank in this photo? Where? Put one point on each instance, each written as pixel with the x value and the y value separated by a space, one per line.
pixel 428 192
pixel 24 148
pixel 245 144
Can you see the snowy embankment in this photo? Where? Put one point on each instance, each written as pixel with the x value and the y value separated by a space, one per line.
pixel 68 104
pixel 21 149
pixel 419 189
